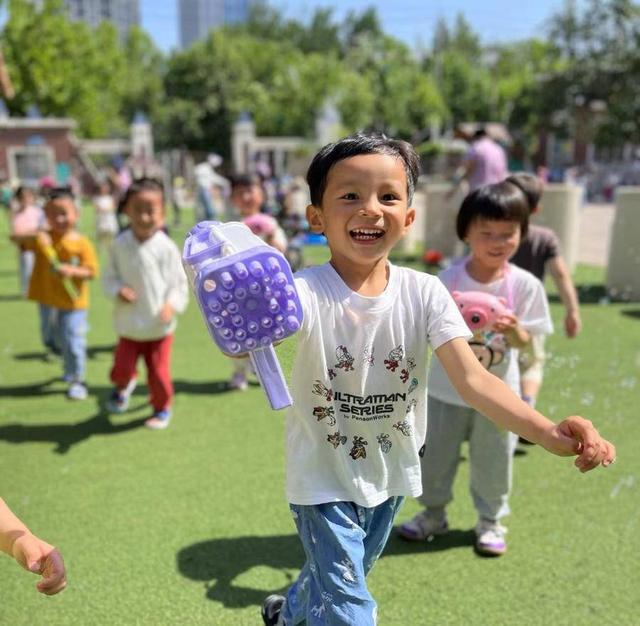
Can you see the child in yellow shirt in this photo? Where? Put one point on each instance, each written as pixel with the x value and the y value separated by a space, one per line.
pixel 64 261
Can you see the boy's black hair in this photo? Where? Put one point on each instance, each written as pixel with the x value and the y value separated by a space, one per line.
pixel 501 201
pixel 530 185
pixel 138 186
pixel 245 180
pixel 354 145
pixel 57 193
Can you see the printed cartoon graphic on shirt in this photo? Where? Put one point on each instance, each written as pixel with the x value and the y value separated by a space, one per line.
pixel 320 390
pixel 395 356
pixel 404 427
pixel 345 360
pixel 322 412
pixel 336 439
pixel 387 402
pixel 385 442
pixel 490 348
pixel 358 451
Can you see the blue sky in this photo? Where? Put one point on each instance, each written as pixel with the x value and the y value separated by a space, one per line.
pixel 410 20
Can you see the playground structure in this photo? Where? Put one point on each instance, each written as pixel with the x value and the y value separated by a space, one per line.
pixel 35 147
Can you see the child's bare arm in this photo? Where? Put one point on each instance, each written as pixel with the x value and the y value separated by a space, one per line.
pixel 492 397
pixel 30 552
pixel 567 291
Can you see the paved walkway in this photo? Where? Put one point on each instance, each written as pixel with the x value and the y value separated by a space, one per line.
pixel 596 222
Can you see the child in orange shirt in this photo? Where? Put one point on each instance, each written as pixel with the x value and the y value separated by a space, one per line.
pixel 64 261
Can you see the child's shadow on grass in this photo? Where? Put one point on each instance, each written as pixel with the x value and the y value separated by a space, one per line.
pixel 64 435
pixel 219 562
pixel 41 355
pixel 212 387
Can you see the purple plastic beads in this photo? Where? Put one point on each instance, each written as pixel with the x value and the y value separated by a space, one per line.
pixel 247 297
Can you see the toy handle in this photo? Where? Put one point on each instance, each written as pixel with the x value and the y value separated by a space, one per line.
pixel 268 370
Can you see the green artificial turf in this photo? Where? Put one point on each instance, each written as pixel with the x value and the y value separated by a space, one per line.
pixel 190 525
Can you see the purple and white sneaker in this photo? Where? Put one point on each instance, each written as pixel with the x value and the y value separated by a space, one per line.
pixel 423 526
pixel 490 538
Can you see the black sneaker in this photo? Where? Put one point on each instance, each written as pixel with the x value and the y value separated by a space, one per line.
pixel 271 608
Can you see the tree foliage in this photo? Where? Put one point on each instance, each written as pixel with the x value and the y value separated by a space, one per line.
pixel 283 70
pixel 66 69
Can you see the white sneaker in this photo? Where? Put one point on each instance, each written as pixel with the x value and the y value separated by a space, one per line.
pixel 422 526
pixel 77 391
pixel 490 537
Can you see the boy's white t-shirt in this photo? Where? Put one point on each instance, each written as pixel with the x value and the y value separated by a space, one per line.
pixel 359 386
pixel 525 297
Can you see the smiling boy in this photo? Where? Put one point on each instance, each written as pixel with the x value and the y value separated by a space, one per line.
pixel 358 421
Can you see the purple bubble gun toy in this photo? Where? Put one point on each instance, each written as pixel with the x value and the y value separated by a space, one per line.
pixel 247 296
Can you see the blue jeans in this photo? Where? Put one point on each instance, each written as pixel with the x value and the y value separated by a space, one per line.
pixel 342 541
pixel 65 332
pixel 26 259
pixel 206 204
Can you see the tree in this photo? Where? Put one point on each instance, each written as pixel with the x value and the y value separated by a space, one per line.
pixel 599 49
pixel 64 68
pixel 212 82
pixel 143 79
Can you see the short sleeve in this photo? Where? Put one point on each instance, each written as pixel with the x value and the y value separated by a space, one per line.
pixel 307 301
pixel 533 308
pixel 89 259
pixel 552 246
pixel 444 321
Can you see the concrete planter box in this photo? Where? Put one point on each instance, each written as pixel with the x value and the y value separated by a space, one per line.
pixel 623 270
pixel 561 213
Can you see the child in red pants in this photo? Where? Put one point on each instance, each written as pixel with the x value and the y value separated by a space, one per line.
pixel 146 278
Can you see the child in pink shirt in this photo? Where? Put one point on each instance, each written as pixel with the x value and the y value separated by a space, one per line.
pixel 25 218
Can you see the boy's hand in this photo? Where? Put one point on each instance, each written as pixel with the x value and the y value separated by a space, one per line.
pixel 127 294
pixel 39 557
pixel 572 324
pixel 576 435
pixel 166 313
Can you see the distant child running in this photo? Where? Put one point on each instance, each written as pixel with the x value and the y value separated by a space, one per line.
pixel 538 252
pixel 26 218
pixel 247 197
pixel 31 552
pixel 491 221
pixel 358 420
pixel 145 276
pixel 105 216
pixel 64 263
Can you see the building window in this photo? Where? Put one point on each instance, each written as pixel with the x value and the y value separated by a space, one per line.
pixel 31 163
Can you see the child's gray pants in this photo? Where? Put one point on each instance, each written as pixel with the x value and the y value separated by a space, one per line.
pixel 490 456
